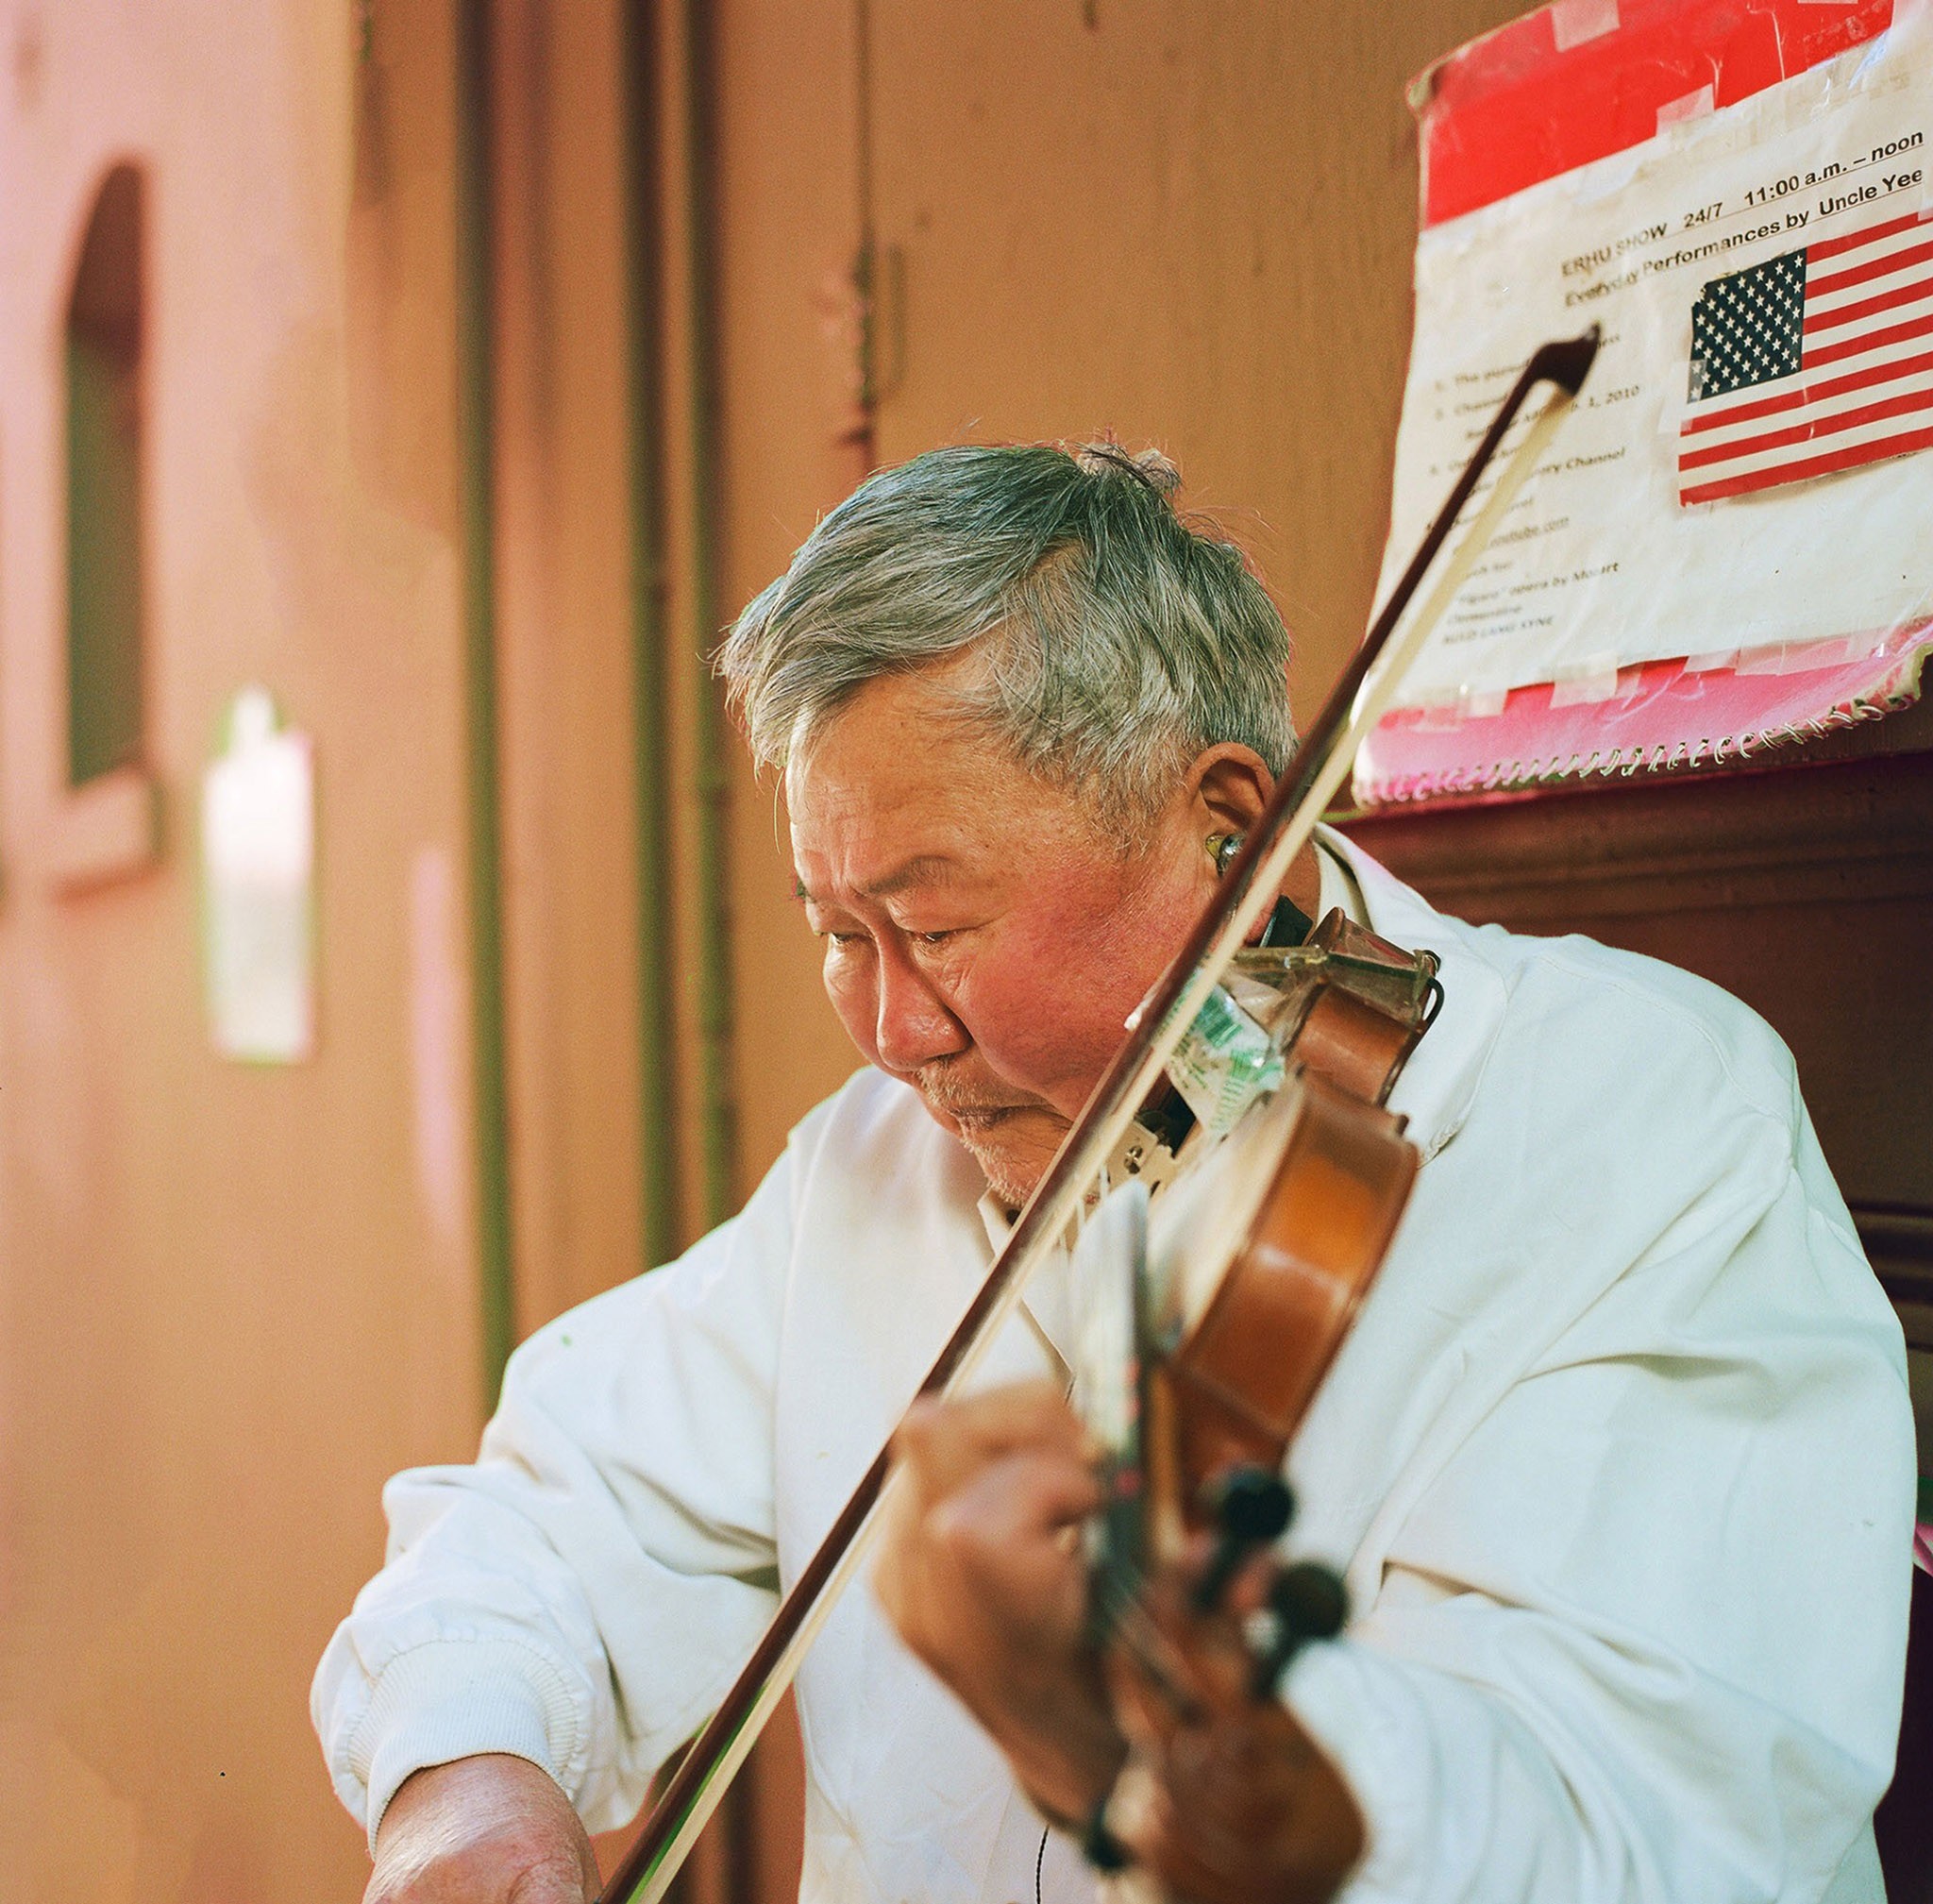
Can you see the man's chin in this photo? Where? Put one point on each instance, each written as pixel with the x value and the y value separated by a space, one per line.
pixel 1014 1151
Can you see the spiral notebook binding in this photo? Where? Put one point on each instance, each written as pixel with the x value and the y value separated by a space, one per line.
pixel 1666 756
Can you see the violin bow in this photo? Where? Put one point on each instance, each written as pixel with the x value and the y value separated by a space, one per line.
pixel 1248 890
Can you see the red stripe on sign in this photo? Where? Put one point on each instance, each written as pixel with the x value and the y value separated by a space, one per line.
pixel 1870 306
pixel 1510 108
pixel 1866 273
pixel 1812 466
pixel 1810 432
pixel 1832 247
pixel 1872 340
pixel 1811 393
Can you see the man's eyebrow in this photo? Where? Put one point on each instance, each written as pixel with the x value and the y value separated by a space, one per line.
pixel 919 867
pixel 914 872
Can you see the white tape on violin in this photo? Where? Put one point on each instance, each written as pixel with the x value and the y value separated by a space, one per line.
pixel 1223 1063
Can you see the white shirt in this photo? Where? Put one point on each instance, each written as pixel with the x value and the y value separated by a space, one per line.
pixel 1618 1460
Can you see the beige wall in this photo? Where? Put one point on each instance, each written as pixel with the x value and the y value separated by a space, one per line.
pixel 1190 223
pixel 232 1300
pixel 563 644
pixel 789 215
pixel 229 1301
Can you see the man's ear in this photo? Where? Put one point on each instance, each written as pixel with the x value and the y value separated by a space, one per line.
pixel 1230 785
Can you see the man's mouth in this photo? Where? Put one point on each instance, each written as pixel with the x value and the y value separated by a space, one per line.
pixel 976 1114
pixel 954 1099
pixel 980 1116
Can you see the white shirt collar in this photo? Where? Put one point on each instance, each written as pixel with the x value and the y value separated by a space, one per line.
pixel 1047 1303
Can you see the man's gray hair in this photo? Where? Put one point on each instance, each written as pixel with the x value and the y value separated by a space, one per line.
pixel 1120 639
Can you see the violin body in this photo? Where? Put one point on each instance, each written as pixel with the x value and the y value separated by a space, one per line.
pixel 1233 1390
pixel 1261 1246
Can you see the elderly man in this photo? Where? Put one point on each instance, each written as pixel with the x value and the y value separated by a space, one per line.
pixel 1617 1458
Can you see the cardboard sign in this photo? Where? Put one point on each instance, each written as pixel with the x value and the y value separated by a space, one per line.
pixel 1727 544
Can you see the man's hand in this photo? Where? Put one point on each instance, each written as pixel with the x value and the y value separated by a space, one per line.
pixel 980 1569
pixel 492 1829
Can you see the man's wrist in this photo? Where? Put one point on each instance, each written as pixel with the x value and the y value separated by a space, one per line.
pixel 1067 1765
pixel 475 1773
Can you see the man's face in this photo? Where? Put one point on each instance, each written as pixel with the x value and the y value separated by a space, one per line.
pixel 984 938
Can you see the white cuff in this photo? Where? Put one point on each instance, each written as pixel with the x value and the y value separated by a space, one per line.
pixel 452 1699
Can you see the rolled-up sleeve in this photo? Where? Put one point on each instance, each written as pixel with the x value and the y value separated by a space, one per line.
pixel 584 1594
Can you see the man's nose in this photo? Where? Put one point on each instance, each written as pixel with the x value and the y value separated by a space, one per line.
pixel 913 1024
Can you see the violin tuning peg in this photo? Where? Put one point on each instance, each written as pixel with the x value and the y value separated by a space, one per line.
pixel 1310 1601
pixel 1252 1504
pixel 1306 1601
pixel 1249 1507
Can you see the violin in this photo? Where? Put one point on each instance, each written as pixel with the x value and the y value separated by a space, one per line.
pixel 1341 1173
pixel 1208 1320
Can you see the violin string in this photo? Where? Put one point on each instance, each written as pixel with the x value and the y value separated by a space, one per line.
pixel 1124 1615
pixel 1157 1660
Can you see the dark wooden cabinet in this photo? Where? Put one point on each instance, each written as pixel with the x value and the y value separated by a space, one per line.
pixel 1807 890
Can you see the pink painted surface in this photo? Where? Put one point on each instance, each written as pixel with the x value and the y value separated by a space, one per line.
pixel 1568 84
pixel 1665 713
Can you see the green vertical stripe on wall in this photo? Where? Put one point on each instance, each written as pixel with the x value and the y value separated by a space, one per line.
pixel 476 420
pixel 103 560
pixel 718 1109
pixel 652 777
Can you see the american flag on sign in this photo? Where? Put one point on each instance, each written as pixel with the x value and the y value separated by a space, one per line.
pixel 1816 360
